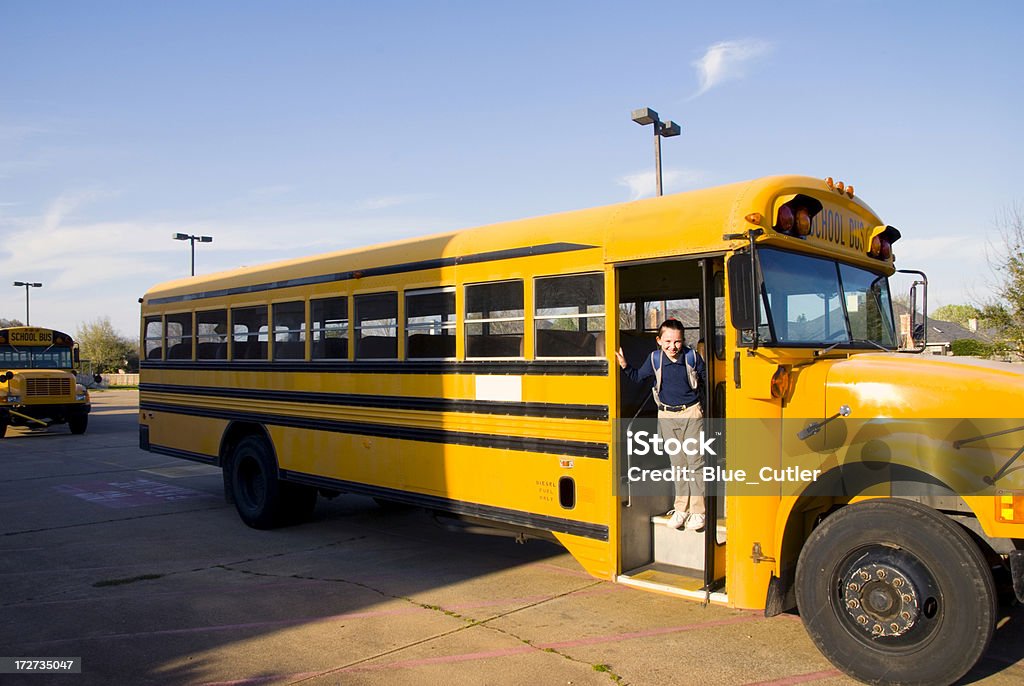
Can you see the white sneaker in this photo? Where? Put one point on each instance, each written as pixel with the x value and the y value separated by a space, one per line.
pixel 676 520
pixel 695 522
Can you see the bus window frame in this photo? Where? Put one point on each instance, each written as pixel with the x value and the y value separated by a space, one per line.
pixel 486 321
pixel 450 327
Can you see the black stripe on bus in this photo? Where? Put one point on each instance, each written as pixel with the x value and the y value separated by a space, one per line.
pixel 407 433
pixel 183 454
pixel 436 263
pixel 549 410
pixel 586 367
pixel 460 507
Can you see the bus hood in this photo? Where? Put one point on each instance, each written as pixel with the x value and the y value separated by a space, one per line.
pixel 897 385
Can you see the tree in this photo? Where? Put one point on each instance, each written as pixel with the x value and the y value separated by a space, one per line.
pixel 961 314
pixel 1006 258
pixel 969 346
pixel 4 323
pixel 103 346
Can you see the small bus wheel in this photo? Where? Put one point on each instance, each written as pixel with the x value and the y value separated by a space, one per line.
pixel 78 423
pixel 890 590
pixel 257 490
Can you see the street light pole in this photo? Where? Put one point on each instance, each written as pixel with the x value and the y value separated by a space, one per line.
pixel 192 240
pixel 27 285
pixel 662 129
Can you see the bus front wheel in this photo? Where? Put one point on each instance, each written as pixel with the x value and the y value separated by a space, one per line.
pixel 892 591
pixel 78 423
pixel 254 483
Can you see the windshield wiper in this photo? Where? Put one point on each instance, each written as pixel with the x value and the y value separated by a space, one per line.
pixel 824 351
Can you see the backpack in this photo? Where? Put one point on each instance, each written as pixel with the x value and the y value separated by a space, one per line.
pixel 689 359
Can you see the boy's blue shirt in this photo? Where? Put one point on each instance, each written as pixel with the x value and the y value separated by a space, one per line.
pixel 675 386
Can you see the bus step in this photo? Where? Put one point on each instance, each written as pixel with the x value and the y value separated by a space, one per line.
pixel 679 547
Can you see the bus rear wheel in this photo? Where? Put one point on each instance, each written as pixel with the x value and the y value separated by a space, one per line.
pixel 892 591
pixel 254 483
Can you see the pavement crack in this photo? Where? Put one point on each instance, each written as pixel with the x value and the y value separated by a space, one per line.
pixel 109 521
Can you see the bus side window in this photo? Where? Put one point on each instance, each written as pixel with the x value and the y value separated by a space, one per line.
pixel 290 330
pixel 153 339
pixel 376 326
pixel 495 319
pixel 249 333
pixel 178 336
pixel 329 328
pixel 569 317
pixel 211 335
pixel 430 323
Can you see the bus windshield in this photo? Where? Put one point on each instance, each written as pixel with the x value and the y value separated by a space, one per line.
pixel 815 301
pixel 52 357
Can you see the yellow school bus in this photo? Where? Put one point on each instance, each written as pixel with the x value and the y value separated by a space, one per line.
pixel 38 387
pixel 468 373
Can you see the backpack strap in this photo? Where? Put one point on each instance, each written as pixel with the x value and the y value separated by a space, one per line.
pixel 657 373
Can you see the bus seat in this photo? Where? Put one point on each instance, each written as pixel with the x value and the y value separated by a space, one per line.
pixel 495 346
pixel 636 347
pixel 377 348
pixel 424 345
pixel 180 351
pixel 556 343
pixel 289 350
pixel 155 354
pixel 330 349
pixel 212 351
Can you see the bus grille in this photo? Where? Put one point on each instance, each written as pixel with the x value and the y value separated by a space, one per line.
pixel 41 387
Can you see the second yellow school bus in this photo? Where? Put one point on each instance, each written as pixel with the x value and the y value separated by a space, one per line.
pixel 468 373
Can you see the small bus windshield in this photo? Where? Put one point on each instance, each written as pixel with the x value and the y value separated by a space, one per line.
pixel 815 301
pixel 53 357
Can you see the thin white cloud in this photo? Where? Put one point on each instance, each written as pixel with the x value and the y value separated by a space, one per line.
pixel 93 268
pixel 644 184
pixel 727 61
pixel 386 201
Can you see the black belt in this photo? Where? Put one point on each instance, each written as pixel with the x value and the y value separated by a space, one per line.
pixel 675 408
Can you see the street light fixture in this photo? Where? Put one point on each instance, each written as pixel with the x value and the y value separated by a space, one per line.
pixel 27 285
pixel 192 239
pixel 662 129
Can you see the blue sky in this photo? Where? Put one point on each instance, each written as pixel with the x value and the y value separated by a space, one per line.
pixel 290 128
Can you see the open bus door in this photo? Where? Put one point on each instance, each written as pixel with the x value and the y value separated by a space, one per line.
pixel 652 554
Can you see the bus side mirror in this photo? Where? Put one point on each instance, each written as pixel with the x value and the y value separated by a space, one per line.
pixel 97 378
pixel 741 289
pixel 75 357
pixel 918 333
pixel 7 377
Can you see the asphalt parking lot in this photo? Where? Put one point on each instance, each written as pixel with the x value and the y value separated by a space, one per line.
pixel 135 563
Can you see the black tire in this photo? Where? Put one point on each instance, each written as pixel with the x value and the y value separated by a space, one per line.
pixel 3 429
pixel 254 483
pixel 78 424
pixel 893 592
pixel 299 501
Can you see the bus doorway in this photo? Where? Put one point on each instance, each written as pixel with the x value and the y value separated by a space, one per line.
pixel 652 554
